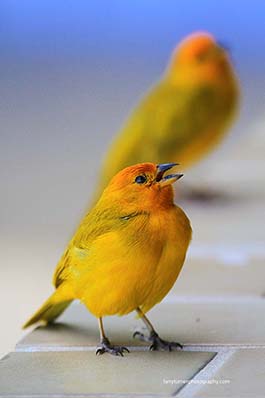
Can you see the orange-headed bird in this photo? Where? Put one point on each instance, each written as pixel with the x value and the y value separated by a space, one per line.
pixel 126 254
pixel 184 116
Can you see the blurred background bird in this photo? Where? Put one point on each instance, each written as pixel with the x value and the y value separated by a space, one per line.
pixel 184 116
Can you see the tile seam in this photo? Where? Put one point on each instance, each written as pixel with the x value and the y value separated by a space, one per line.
pixel 174 298
pixel 88 395
pixel 206 373
pixel 190 347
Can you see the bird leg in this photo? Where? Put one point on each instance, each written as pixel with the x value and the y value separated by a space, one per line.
pixel 157 342
pixel 105 345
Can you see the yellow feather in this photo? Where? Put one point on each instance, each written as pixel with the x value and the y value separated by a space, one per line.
pixel 126 253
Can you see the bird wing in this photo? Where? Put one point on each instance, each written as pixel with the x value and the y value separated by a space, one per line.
pixel 170 117
pixel 96 225
pixel 163 123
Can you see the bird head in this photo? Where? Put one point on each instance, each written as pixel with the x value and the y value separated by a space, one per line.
pixel 199 56
pixel 145 185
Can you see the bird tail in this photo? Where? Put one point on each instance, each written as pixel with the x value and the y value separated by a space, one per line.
pixel 50 310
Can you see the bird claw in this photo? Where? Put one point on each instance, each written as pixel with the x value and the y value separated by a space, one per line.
pixel 105 346
pixel 157 342
pixel 140 336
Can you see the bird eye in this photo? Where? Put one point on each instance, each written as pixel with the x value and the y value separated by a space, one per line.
pixel 140 179
pixel 201 56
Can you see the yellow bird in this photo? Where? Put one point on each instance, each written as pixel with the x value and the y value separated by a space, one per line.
pixel 126 254
pixel 184 116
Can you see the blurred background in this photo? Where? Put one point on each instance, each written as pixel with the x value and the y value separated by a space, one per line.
pixel 70 73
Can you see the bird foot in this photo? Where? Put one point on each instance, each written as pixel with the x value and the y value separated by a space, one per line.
pixel 105 346
pixel 157 342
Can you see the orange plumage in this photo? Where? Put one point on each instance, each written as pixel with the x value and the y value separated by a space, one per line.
pixel 127 252
pixel 184 116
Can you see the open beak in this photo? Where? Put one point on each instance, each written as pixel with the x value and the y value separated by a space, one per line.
pixel 169 178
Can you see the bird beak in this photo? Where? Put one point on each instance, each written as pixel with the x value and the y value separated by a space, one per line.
pixel 168 179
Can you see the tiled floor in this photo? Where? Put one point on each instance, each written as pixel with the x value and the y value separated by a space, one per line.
pixel 224 346
pixel 187 320
pixel 245 370
pixel 216 309
pixel 82 373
